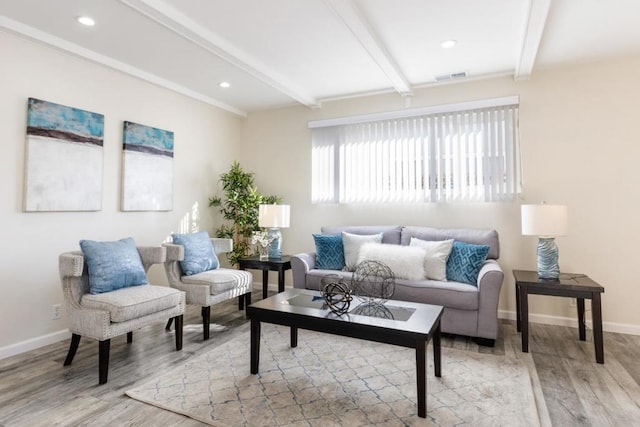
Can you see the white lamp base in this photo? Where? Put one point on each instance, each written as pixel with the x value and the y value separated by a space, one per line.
pixel 548 258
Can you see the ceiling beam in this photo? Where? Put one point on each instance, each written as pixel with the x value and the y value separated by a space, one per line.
pixel 66 46
pixel 352 17
pixel 535 23
pixel 171 18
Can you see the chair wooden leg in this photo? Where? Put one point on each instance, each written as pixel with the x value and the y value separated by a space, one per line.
pixel 206 320
pixel 179 325
pixel 129 337
pixel 73 347
pixel 168 327
pixel 103 361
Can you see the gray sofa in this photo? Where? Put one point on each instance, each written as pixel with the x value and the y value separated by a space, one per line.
pixel 468 310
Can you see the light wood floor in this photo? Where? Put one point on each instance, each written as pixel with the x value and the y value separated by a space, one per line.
pixel 36 390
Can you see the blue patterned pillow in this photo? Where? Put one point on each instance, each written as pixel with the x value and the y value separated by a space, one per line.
pixel 113 265
pixel 329 251
pixel 465 262
pixel 199 255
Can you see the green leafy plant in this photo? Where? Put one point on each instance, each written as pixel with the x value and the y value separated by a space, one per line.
pixel 239 205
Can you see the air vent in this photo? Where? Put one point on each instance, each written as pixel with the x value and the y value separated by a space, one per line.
pixel 452 76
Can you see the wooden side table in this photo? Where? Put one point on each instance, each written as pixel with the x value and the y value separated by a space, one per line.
pixel 577 286
pixel 272 264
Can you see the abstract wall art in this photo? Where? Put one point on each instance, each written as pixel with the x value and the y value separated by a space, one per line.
pixel 147 182
pixel 64 157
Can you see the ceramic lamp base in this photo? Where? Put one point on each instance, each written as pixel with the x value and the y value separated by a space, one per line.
pixel 548 258
pixel 275 247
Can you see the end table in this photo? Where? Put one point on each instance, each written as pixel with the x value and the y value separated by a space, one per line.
pixel 272 264
pixel 577 286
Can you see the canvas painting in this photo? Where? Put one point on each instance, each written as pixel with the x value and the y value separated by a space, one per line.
pixel 63 158
pixel 147 183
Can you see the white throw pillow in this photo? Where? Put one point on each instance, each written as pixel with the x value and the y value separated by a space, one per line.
pixel 406 262
pixel 435 262
pixel 351 244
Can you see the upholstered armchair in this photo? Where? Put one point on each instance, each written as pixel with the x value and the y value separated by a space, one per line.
pixel 208 287
pixel 106 315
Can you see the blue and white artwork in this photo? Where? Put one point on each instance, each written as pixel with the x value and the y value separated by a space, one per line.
pixel 147 183
pixel 63 158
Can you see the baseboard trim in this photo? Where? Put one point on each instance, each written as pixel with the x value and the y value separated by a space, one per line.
pixel 33 343
pixel 54 337
pixel 620 328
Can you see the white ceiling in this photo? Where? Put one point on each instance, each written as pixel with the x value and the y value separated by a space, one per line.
pixel 286 52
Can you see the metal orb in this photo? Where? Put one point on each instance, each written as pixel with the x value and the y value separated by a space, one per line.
pixel 338 297
pixel 373 280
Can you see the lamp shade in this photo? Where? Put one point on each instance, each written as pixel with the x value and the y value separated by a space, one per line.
pixel 544 220
pixel 273 216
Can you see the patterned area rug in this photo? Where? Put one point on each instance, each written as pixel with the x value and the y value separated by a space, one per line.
pixel 329 380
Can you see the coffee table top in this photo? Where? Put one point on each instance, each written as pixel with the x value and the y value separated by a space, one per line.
pixel 300 307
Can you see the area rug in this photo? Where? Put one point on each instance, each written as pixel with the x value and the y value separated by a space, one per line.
pixel 329 380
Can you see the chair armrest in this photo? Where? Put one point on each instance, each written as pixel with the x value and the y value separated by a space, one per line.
pixel 70 264
pixel 174 252
pixel 489 285
pixel 152 255
pixel 222 246
pixel 300 265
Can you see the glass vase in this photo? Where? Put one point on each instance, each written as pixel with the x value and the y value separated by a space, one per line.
pixel 263 252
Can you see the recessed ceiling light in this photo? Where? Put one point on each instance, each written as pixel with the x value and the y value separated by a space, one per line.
pixel 225 85
pixel 448 44
pixel 86 20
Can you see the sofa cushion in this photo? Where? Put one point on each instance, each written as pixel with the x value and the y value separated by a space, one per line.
pixel 219 280
pixel 134 302
pixel 406 262
pixel 467 235
pixel 465 262
pixel 329 251
pixel 199 255
pixel 352 244
pixel 113 265
pixel 390 233
pixel 448 294
pixel 436 256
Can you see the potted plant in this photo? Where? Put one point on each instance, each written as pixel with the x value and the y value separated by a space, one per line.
pixel 239 205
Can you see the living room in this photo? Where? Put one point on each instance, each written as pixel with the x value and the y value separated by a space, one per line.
pixel 576 127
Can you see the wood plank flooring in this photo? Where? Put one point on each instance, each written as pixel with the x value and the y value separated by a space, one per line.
pixel 36 390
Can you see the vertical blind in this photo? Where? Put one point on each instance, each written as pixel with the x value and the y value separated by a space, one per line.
pixel 456 156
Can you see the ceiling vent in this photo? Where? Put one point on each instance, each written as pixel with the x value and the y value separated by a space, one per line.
pixel 452 76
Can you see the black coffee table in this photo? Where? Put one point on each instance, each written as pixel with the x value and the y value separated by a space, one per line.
pixel 406 324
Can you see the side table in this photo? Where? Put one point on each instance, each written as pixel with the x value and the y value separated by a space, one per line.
pixel 577 286
pixel 272 264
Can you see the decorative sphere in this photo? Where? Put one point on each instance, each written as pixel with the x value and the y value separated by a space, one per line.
pixel 338 297
pixel 373 279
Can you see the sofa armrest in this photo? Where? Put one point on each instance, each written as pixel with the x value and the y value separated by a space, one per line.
pixel 300 265
pixel 489 285
pixel 221 246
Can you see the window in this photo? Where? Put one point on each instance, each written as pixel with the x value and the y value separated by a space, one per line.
pixel 464 152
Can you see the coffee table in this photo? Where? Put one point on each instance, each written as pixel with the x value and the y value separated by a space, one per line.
pixel 404 324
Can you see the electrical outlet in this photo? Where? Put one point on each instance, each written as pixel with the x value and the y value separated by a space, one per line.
pixel 56 311
pixel 572 302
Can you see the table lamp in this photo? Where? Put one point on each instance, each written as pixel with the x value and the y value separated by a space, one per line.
pixel 546 222
pixel 274 217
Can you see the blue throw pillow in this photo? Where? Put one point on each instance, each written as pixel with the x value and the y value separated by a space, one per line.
pixel 465 262
pixel 199 255
pixel 329 251
pixel 113 265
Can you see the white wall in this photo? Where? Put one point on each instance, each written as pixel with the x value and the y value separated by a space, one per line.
pixel 206 142
pixel 579 145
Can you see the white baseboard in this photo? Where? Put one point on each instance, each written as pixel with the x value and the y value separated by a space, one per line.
pixel 33 343
pixel 546 319
pixel 54 337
